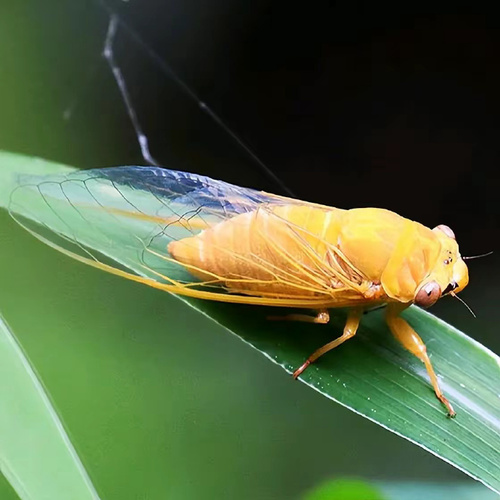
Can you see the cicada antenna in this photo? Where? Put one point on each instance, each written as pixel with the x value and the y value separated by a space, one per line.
pixel 453 294
pixel 478 256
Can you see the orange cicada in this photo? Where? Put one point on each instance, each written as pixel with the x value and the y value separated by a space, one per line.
pixel 203 238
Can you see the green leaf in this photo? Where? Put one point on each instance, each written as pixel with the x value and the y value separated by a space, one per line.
pixel 371 374
pixel 356 489
pixel 345 489
pixel 36 454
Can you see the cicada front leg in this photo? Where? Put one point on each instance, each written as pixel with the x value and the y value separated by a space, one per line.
pixel 411 341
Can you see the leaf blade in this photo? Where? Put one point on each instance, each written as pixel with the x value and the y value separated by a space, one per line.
pixel 372 375
pixel 36 454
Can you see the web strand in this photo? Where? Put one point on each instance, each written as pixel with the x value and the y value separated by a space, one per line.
pixel 122 87
pixel 116 22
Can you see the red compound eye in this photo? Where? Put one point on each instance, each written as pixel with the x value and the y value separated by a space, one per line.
pixel 428 295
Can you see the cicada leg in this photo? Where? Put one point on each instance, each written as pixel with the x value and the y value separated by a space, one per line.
pixel 323 317
pixel 410 340
pixel 350 329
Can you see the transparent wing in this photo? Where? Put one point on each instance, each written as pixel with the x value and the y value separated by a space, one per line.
pixel 123 218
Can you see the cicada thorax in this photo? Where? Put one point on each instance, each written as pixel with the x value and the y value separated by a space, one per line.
pixel 389 249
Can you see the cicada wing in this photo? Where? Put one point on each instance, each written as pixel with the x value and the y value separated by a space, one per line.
pixel 129 214
pixel 123 218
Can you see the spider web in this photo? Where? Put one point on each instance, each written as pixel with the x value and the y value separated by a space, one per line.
pixel 118 27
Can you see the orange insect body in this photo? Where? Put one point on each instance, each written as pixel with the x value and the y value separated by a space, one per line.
pixel 345 256
pixel 211 240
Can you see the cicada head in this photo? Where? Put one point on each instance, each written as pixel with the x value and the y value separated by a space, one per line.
pixel 450 273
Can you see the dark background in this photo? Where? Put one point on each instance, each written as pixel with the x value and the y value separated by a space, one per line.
pixel 348 104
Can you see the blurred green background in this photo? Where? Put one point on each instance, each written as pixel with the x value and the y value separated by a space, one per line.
pixel 347 110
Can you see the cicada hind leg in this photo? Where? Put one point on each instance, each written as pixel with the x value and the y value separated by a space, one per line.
pixel 322 318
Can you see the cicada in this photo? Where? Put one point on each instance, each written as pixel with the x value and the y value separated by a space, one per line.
pixel 191 235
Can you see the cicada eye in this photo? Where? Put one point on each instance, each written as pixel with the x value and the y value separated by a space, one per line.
pixel 428 294
pixel 446 230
